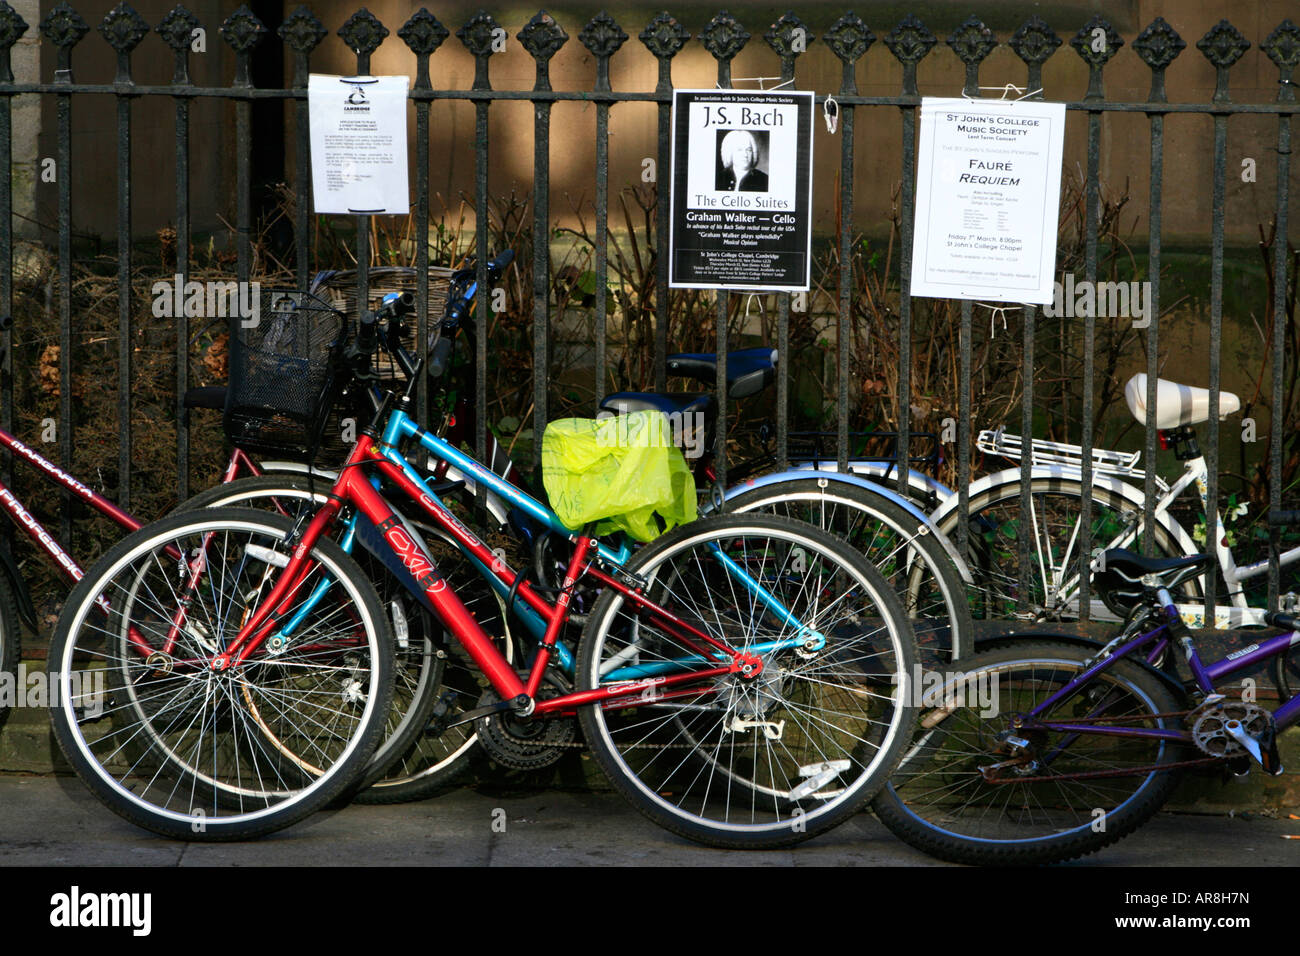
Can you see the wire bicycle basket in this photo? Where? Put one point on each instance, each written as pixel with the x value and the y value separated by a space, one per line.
pixel 285 374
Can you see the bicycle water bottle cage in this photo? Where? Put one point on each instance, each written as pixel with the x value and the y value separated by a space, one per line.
pixel 749 371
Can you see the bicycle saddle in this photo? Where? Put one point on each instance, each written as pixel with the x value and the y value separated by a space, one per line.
pixel 1175 404
pixel 749 371
pixel 1119 582
pixel 686 411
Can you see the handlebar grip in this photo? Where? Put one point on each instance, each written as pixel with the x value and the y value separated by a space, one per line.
pixel 440 358
pixel 368 334
pixel 1282 518
pixel 1288 622
pixel 499 264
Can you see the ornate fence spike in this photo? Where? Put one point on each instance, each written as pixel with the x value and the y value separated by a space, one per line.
pixel 972 41
pixel 423 33
pixel 1223 46
pixel 301 31
pixel 664 36
pixel 542 36
pixel 363 33
pixel 602 36
pixel 724 37
pixel 1283 45
pixel 910 41
pixel 12 27
pixel 64 27
pixel 242 30
pixel 1035 41
pixel 849 38
pixel 177 29
pixel 123 28
pixel 1096 42
pixel 1283 48
pixel 477 34
pixel 1158 45
pixel 788 36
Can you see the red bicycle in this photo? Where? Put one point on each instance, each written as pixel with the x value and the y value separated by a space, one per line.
pixel 744 680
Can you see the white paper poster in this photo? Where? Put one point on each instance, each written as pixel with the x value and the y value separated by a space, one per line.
pixel 741 190
pixel 988 186
pixel 358 144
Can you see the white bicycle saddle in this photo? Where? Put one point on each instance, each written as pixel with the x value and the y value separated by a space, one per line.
pixel 1176 404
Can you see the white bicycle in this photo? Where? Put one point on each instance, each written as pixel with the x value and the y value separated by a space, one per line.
pixel 1055 503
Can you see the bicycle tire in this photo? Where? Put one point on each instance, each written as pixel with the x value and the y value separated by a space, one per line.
pixel 866 663
pixel 940 802
pixel 910 557
pixel 418 666
pixel 415 761
pixel 993 553
pixel 331 683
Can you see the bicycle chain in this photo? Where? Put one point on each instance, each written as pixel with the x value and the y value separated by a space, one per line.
pixel 1090 774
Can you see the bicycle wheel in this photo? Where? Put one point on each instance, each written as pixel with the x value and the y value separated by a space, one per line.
pixel 176 747
pixel 771 759
pixel 421 755
pixel 912 560
pixel 1064 795
pixel 1055 551
pixel 418 663
pixel 10 640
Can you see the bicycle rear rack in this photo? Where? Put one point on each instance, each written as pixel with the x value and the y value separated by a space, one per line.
pixel 1042 452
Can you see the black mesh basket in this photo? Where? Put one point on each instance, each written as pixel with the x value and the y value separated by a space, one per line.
pixel 284 374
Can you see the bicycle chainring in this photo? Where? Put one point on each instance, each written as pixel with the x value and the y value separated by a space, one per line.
pixel 523 743
pixel 1210 726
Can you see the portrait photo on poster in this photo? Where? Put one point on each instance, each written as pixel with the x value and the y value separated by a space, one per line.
pixel 742 161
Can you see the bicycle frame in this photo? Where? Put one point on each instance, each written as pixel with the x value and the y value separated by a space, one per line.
pixel 1235 612
pixel 24 519
pixel 630 686
pixel 1206 676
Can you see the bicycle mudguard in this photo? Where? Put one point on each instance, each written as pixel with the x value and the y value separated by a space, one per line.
pixel 876 488
pixel 1134 496
pixel 882 473
pixel 26 610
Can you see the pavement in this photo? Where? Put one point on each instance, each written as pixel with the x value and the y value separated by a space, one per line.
pixel 54 821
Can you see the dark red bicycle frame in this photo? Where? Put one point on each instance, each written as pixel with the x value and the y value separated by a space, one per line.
pixel 354 487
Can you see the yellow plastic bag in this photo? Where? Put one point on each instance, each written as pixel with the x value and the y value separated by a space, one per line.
pixel 621 472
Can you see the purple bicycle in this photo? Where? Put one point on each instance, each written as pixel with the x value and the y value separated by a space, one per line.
pixel 1045 750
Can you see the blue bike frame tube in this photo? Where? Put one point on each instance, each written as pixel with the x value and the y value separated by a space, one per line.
pixel 401 426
